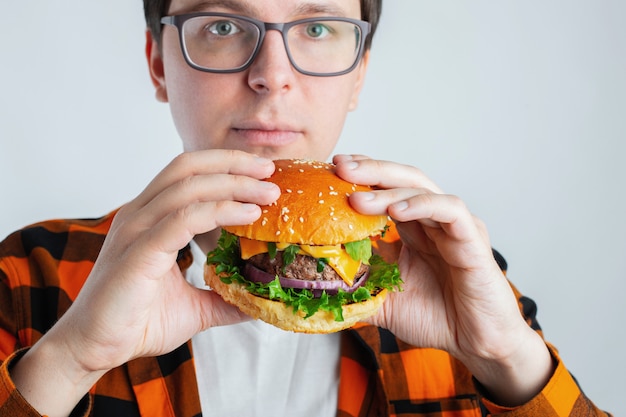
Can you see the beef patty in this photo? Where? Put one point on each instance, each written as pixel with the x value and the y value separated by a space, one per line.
pixel 303 267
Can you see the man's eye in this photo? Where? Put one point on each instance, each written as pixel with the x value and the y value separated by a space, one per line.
pixel 223 28
pixel 317 30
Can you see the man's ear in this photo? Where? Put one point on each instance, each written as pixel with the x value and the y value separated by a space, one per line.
pixel 155 64
pixel 360 81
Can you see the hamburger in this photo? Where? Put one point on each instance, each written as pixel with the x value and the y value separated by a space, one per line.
pixel 306 265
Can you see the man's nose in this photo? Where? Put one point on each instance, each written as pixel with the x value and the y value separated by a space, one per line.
pixel 271 70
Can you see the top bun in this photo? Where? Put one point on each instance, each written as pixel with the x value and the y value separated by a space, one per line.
pixel 313 208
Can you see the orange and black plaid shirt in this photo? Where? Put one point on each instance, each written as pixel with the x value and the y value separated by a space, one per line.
pixel 43 267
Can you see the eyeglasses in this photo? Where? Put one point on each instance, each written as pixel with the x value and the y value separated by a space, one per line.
pixel 227 43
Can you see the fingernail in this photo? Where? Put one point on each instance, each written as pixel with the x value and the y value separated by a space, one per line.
pixel 249 208
pixel 351 165
pixel 401 206
pixel 367 196
pixel 262 161
pixel 268 185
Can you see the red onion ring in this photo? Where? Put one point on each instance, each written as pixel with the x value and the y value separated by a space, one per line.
pixel 255 274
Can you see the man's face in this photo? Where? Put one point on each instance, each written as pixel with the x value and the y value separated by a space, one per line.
pixel 269 109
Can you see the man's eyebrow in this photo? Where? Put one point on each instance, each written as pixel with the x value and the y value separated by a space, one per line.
pixel 232 6
pixel 247 9
pixel 325 9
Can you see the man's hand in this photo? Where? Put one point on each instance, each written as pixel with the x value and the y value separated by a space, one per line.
pixel 455 296
pixel 136 301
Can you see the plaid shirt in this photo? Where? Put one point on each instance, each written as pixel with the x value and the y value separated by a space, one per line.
pixel 43 267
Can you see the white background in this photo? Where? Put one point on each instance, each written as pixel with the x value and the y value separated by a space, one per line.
pixel 519 107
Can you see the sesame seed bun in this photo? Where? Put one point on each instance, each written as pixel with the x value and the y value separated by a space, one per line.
pixel 283 316
pixel 313 208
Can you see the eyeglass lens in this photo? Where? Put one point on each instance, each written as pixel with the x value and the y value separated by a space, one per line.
pixel 228 43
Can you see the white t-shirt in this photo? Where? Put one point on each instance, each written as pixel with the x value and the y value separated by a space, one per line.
pixel 255 369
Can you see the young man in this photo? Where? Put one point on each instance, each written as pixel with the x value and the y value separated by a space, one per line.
pixel 452 343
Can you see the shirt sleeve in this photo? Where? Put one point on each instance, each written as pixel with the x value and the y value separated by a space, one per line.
pixel 561 397
pixel 11 401
pixel 13 404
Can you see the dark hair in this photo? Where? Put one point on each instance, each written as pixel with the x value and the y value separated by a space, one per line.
pixel 154 10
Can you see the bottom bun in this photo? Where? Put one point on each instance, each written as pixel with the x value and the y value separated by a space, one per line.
pixel 282 316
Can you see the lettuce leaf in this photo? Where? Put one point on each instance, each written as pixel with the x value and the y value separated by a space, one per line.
pixel 383 275
pixel 361 250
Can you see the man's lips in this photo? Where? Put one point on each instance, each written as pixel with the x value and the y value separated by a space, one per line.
pixel 267 135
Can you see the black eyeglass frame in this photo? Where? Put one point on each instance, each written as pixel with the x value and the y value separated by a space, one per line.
pixel 179 20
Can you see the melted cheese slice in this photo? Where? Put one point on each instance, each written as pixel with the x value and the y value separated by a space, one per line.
pixel 337 257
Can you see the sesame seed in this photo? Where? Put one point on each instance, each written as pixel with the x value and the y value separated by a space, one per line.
pixel 300 192
pixel 301 219
pixel 285 218
pixel 277 232
pixel 321 201
pixel 288 190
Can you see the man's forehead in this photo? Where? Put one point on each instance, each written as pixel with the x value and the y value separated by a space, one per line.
pixel 260 8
